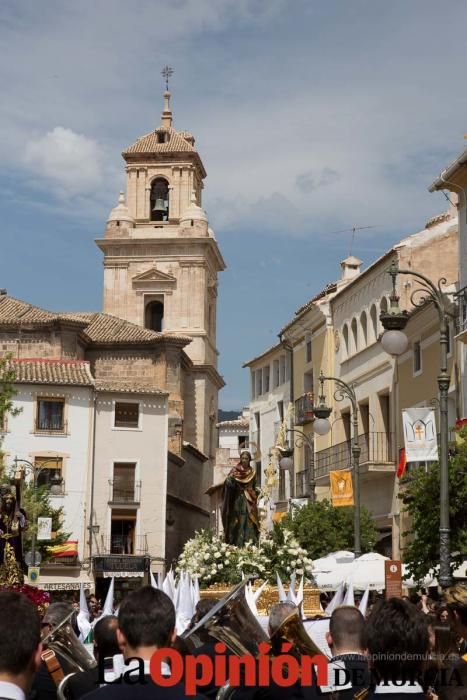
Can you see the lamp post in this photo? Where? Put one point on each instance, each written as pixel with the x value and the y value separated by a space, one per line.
pixel 286 462
pixel 395 342
pixel 55 490
pixel 322 426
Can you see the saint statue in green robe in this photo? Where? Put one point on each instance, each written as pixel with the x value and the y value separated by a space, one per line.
pixel 239 507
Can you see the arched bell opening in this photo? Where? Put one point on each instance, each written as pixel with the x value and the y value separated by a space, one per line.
pixel 159 200
pixel 154 316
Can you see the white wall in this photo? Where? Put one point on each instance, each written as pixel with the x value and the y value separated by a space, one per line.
pixel 147 447
pixel 73 446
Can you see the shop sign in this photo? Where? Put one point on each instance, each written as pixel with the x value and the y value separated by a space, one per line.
pixel 118 565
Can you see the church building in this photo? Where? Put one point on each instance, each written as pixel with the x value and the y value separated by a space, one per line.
pixel 146 368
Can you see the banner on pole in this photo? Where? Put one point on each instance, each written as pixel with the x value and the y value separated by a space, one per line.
pixel 421 444
pixel 341 488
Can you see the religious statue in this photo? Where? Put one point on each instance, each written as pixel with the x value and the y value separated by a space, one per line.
pixel 239 508
pixel 12 523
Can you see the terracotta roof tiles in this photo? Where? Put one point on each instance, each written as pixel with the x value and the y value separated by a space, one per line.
pixel 49 371
pixel 176 141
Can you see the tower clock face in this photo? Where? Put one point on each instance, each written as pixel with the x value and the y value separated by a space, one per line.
pixel 337 340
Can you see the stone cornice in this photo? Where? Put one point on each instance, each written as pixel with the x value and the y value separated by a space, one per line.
pixel 212 373
pixel 170 246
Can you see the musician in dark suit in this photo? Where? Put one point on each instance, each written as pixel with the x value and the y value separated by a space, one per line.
pixel 396 637
pixel 20 645
pixel 105 648
pixel 146 623
pixel 345 638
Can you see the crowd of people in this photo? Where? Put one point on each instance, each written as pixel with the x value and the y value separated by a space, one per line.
pixel 400 648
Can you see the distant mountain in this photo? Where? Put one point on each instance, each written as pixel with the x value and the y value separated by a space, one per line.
pixel 227 415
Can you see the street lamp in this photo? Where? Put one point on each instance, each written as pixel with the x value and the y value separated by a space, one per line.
pixel 55 490
pixel 394 341
pixel 322 426
pixel 286 461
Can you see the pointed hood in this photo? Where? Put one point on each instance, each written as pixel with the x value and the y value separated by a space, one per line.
pixel 336 601
pixel 364 602
pixel 349 596
pixel 108 608
pixel 280 588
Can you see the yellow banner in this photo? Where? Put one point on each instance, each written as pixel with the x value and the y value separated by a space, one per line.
pixel 341 488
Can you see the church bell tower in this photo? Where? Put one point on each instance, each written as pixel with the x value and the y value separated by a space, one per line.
pixel 161 259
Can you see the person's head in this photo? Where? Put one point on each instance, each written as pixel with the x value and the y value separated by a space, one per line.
pixel 346 630
pixel 202 608
pixel 54 615
pixel 8 500
pixel 396 637
pixel 105 637
pixel 146 621
pixel 456 601
pixel 442 613
pixel 279 613
pixel 245 459
pixel 20 639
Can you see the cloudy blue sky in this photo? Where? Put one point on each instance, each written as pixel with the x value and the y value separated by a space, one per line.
pixel 311 116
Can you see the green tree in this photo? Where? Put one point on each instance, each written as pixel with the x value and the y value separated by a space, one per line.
pixel 320 528
pixel 36 504
pixel 420 496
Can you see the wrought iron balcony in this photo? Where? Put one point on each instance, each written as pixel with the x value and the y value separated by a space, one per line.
pixel 376 448
pixel 304 409
pixel 124 493
pixel 123 544
pixel 47 426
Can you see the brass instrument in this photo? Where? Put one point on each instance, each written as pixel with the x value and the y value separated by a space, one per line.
pixel 292 630
pixel 232 622
pixel 61 690
pixel 63 641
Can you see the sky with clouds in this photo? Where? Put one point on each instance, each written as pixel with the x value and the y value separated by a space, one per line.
pixel 310 116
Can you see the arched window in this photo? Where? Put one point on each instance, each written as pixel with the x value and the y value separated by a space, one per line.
pixel 374 323
pixel 154 315
pixel 159 200
pixel 363 324
pixel 354 334
pixel 345 336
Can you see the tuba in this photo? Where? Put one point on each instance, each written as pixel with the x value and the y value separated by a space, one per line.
pixel 292 630
pixel 63 641
pixel 232 622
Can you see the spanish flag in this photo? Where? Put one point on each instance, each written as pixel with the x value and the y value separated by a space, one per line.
pixel 67 549
pixel 402 463
pixel 341 488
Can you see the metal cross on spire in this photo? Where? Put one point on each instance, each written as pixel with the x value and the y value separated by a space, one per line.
pixel 167 72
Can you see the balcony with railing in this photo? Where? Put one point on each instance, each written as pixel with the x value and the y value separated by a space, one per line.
pixel 375 449
pixel 461 330
pixel 124 493
pixel 123 544
pixel 304 409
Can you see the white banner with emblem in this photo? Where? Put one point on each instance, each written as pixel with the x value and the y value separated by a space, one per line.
pixel 421 444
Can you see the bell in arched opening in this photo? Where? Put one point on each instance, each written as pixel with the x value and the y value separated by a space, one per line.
pixel 159 200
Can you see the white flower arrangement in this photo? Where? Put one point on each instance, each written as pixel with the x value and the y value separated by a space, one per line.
pixel 216 562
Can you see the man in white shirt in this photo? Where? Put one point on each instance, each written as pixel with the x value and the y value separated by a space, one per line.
pixel 20 645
